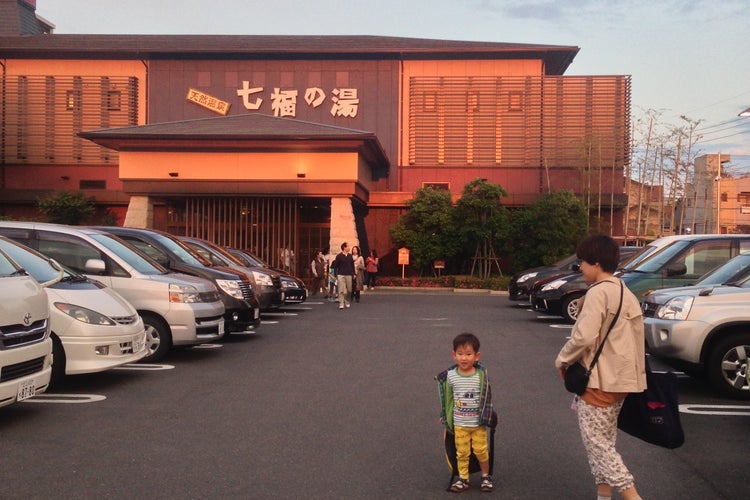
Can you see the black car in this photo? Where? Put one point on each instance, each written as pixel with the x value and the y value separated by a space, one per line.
pixel 267 282
pixel 560 295
pixel 522 283
pixel 242 309
pixel 294 288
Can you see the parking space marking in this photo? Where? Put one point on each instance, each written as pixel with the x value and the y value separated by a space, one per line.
pixel 264 322
pixel 144 367
pixel 279 314
pixel 214 346
pixel 737 410
pixel 65 398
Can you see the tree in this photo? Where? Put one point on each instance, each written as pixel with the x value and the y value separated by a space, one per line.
pixel 65 207
pixel 482 223
pixel 548 230
pixel 427 228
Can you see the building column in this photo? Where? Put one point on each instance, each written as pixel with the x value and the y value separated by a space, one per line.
pixel 343 226
pixel 140 212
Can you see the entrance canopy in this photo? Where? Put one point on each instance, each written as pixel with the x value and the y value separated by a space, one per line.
pixel 245 154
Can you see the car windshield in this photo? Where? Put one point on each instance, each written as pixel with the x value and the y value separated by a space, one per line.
pixel 566 262
pixel 182 251
pixel 34 263
pixel 635 258
pixel 734 270
pixel 654 262
pixel 129 254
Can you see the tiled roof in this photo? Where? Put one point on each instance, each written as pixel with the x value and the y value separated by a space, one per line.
pixel 245 126
pixel 556 57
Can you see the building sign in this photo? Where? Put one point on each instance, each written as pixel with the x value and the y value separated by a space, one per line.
pixel 283 102
pixel 208 102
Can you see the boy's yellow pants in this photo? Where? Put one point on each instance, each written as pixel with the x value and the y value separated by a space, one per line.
pixel 470 439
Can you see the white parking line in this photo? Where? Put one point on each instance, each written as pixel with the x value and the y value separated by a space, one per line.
pixel 737 410
pixel 65 398
pixel 214 346
pixel 144 367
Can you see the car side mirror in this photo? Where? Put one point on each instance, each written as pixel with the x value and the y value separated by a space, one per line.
pixel 95 266
pixel 677 270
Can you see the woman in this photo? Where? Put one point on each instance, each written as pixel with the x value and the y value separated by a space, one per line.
pixel 371 268
pixel 359 272
pixel 619 370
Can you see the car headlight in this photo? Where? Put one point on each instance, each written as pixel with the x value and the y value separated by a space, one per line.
pixel 676 308
pixel 231 288
pixel 526 277
pixel 187 294
pixel 289 284
pixel 84 315
pixel 553 285
pixel 262 279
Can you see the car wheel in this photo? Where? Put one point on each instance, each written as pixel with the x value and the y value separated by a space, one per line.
pixel 570 307
pixel 58 361
pixel 728 365
pixel 158 338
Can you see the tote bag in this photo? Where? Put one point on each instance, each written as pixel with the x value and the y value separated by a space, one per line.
pixel 653 415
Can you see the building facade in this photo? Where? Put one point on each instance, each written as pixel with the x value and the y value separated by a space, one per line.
pixel 263 142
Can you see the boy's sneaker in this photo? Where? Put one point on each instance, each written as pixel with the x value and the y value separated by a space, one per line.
pixel 459 485
pixel 487 483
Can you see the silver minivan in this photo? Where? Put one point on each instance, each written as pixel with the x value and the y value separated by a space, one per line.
pixel 25 346
pixel 93 328
pixel 177 309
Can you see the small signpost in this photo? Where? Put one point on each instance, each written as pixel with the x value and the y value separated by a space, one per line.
pixel 403 259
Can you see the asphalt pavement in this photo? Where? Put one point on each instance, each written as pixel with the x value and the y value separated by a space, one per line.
pixel 323 403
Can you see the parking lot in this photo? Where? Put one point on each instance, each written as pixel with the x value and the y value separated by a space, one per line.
pixel 328 403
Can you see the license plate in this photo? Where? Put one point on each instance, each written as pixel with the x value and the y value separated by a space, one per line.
pixel 26 389
pixel 257 313
pixel 221 328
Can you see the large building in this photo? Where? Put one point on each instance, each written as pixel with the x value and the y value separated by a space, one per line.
pixel 266 141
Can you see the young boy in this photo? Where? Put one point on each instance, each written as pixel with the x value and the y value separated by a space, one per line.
pixel 466 409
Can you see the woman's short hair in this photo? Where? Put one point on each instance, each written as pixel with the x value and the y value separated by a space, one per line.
pixel 602 249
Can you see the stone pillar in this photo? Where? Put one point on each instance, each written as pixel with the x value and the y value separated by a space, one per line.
pixel 343 226
pixel 140 212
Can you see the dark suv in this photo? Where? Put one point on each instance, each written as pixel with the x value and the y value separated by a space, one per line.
pixel 267 282
pixel 242 306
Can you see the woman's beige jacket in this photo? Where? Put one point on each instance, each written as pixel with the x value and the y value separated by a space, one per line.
pixel 621 365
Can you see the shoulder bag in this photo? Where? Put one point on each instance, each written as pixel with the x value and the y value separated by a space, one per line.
pixel 654 415
pixel 576 375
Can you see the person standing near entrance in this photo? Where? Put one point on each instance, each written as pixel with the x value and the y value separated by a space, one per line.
pixel 371 268
pixel 287 258
pixel 359 273
pixel 343 265
pixel 318 270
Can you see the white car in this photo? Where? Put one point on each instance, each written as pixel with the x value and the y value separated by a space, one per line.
pixel 92 327
pixel 25 346
pixel 704 329
pixel 177 309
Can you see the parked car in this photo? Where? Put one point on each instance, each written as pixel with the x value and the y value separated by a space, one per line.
pixel 177 309
pixel 560 295
pixel 295 291
pixel 521 284
pixel 704 330
pixel 241 306
pixel 92 327
pixel 683 261
pixel 25 346
pixel 267 282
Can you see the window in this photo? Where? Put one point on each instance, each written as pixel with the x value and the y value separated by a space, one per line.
pixel 72 100
pixel 89 184
pixel 113 100
pixel 445 186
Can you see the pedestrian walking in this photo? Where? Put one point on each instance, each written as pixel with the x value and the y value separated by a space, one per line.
pixel 318 271
pixel 610 316
pixel 371 269
pixel 359 273
pixel 343 266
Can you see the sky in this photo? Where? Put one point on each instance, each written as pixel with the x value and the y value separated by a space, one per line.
pixel 687 58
